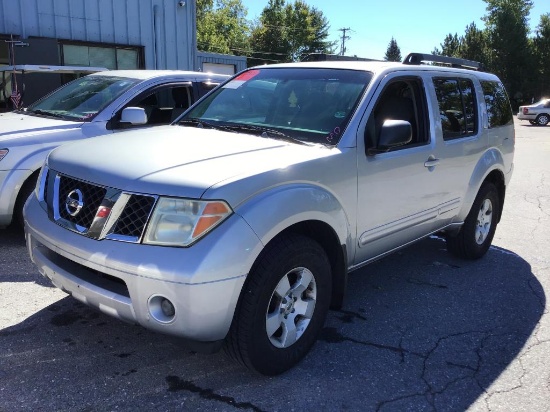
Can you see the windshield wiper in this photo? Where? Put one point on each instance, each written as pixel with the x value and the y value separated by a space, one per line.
pixel 46 113
pixel 201 124
pixel 246 128
pixel 266 132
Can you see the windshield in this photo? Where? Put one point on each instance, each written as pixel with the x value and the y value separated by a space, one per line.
pixel 305 104
pixel 82 98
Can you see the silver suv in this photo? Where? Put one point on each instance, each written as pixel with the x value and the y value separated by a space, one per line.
pixel 237 226
pixel 101 103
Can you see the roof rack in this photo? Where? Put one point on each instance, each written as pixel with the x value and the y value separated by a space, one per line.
pixel 419 58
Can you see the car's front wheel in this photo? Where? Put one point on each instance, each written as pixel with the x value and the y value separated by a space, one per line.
pixel 543 119
pixel 282 307
pixel 475 236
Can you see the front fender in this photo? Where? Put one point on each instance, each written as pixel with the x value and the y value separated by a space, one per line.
pixel 275 210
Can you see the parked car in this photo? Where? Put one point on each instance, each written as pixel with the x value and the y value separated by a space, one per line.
pixel 32 84
pixel 93 105
pixel 236 226
pixel 537 113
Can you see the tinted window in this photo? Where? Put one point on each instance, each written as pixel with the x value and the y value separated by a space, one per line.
pixel 457 107
pixel 401 99
pixel 83 98
pixel 311 105
pixel 499 111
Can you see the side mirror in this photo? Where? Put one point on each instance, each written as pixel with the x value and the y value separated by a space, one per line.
pixel 134 116
pixel 393 133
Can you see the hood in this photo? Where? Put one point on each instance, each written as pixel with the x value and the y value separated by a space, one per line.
pixel 14 125
pixel 175 160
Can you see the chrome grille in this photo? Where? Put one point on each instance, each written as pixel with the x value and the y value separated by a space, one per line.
pixel 133 218
pixel 128 217
pixel 93 196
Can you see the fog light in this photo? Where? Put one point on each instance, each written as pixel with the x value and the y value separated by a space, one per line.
pixel 161 309
pixel 167 307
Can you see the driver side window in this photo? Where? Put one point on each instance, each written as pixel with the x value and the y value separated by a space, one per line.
pixel 401 99
pixel 162 105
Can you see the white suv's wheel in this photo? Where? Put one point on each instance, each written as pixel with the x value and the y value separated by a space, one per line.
pixel 476 234
pixel 282 307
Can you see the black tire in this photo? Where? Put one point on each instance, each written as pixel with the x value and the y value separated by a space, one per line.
pixel 257 336
pixel 534 123
pixel 542 119
pixel 475 237
pixel 24 193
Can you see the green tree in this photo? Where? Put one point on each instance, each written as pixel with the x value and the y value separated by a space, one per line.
pixel 541 44
pixel 222 26
pixel 510 54
pixel 450 46
pixel 393 52
pixel 287 31
pixel 473 46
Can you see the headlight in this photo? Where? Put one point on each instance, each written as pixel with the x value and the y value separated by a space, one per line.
pixel 3 153
pixel 180 222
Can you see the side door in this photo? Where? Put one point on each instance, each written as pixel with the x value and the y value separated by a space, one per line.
pixel 403 192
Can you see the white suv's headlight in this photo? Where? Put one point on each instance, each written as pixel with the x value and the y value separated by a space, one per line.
pixel 3 153
pixel 180 222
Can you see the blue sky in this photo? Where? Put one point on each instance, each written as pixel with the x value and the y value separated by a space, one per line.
pixel 417 26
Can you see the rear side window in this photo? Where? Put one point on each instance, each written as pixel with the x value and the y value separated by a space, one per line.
pixel 457 107
pixel 499 111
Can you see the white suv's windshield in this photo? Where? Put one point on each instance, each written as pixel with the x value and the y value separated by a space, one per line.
pixel 83 98
pixel 304 104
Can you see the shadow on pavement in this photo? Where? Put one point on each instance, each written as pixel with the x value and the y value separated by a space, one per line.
pixel 420 330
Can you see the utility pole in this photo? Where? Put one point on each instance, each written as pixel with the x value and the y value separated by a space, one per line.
pixel 344 38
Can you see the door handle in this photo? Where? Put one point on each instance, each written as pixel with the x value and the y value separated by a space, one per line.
pixel 431 162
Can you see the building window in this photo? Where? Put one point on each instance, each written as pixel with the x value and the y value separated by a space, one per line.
pixel 110 57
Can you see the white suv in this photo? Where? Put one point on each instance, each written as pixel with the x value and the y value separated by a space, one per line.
pixel 101 103
pixel 238 225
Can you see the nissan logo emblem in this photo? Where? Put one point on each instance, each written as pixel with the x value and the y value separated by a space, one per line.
pixel 74 202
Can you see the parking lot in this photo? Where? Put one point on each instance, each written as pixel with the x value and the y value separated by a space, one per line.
pixel 420 330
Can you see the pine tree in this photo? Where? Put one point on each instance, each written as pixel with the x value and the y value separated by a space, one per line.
pixel 393 53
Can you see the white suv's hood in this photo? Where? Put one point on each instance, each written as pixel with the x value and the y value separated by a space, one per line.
pixel 14 125
pixel 175 160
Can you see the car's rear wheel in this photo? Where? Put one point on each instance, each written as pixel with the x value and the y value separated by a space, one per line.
pixel 475 236
pixel 543 119
pixel 282 307
pixel 533 122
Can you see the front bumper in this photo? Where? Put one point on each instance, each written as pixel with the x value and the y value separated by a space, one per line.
pixel 124 280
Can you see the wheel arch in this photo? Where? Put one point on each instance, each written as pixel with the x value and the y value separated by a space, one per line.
pixel 23 174
pixel 310 211
pixel 496 177
pixel 488 169
pixel 325 235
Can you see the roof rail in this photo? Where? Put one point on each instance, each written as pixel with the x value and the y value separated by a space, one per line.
pixel 315 57
pixel 419 58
